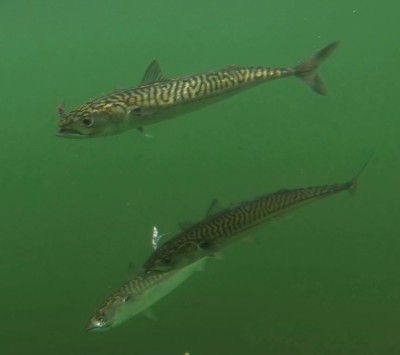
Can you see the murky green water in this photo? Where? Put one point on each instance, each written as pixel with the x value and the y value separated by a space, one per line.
pixel 74 214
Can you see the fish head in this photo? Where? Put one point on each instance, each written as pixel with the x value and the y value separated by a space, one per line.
pixel 94 119
pixel 99 321
pixel 106 316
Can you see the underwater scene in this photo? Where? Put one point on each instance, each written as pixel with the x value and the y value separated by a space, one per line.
pixel 199 178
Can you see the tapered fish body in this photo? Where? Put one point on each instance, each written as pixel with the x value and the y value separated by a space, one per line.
pixel 207 236
pixel 137 295
pixel 157 98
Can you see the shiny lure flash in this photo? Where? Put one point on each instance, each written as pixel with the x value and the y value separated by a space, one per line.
pixel 156 237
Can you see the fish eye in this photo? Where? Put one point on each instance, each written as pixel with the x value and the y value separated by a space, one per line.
pixel 88 121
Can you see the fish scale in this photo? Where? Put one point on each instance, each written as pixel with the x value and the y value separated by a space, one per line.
pixel 197 87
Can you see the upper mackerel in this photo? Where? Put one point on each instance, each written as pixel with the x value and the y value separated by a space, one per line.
pixel 158 98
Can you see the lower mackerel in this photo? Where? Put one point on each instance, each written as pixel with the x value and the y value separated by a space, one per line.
pixel 137 295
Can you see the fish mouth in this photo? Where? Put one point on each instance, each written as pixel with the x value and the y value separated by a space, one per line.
pixel 69 133
pixel 96 326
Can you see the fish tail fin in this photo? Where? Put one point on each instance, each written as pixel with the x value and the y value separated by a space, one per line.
pixel 307 71
pixel 352 187
pixel 353 183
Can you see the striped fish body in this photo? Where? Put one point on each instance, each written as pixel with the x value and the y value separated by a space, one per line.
pixel 137 295
pixel 208 235
pixel 158 98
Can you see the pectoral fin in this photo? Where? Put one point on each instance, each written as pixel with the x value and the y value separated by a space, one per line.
pixel 150 314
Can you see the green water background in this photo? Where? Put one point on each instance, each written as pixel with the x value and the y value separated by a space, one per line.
pixel 74 213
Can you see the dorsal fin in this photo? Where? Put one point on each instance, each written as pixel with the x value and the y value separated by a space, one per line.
pixel 215 207
pixel 353 183
pixel 230 67
pixel 132 268
pixel 153 73
pixel 184 225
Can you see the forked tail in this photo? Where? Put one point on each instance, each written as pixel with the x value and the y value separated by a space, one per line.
pixel 353 183
pixel 307 71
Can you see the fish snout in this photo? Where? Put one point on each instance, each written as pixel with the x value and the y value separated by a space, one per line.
pixel 95 325
pixel 98 322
